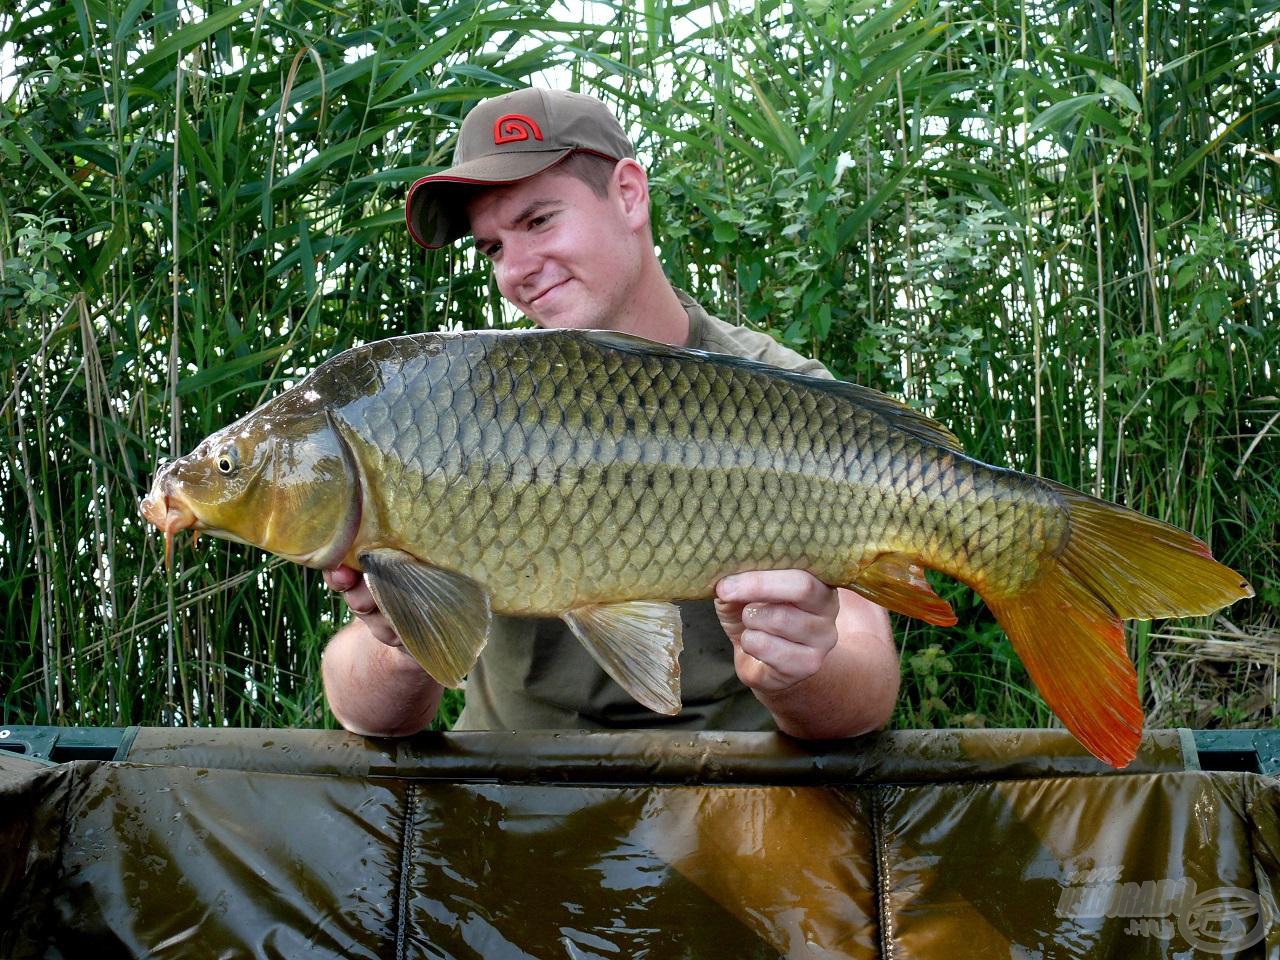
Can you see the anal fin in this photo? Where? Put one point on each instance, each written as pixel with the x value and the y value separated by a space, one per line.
pixel 442 617
pixel 638 644
pixel 896 582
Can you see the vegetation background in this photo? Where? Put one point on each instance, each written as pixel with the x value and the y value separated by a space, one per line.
pixel 1051 225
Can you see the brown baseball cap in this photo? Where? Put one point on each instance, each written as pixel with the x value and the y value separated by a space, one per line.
pixel 504 140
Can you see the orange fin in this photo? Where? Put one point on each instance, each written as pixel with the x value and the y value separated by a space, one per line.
pixel 1067 625
pixel 1073 647
pixel 1141 567
pixel 896 581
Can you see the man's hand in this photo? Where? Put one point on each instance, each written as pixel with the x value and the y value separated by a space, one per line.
pixel 821 660
pixel 782 624
pixel 350 583
pixel 373 686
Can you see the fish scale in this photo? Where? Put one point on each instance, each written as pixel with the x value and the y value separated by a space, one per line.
pixel 725 486
pixel 597 477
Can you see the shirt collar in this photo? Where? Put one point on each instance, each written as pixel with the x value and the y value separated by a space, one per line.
pixel 697 320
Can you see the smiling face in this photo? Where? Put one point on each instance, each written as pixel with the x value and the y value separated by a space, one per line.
pixel 561 254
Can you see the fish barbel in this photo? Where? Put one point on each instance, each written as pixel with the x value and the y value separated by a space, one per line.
pixel 597 477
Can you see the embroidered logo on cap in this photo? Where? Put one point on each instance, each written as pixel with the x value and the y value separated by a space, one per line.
pixel 513 127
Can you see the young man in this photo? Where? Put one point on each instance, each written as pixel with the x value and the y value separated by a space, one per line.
pixel 548 184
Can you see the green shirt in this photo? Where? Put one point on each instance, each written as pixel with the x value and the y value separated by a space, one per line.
pixel 535 674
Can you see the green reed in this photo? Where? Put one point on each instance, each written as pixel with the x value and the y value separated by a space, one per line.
pixel 1054 227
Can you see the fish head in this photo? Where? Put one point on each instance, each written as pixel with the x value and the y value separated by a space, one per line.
pixel 282 479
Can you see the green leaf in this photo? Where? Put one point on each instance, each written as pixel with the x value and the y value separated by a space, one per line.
pixel 1063 112
pixel 36 151
pixel 724 232
pixel 226 368
pixel 786 137
pixel 1180 368
pixel 130 16
pixel 191 34
pixel 1191 162
pixel 1118 92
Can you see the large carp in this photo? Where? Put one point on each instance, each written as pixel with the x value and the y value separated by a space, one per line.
pixel 597 476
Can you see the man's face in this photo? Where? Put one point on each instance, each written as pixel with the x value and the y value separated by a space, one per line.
pixel 562 255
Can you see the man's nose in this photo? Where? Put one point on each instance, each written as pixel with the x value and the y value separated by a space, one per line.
pixel 520 262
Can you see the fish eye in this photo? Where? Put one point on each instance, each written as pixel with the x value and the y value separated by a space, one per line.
pixel 228 460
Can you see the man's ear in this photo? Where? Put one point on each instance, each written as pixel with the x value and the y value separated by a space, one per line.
pixel 630 184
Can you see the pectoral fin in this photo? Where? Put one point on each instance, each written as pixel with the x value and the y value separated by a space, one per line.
pixel 442 617
pixel 638 644
pixel 896 581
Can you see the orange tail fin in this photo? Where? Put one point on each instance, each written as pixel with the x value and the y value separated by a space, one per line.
pixel 1067 626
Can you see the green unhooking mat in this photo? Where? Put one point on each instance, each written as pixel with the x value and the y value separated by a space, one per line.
pixel 262 843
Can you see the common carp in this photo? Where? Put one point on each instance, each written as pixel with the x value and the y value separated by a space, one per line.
pixel 598 476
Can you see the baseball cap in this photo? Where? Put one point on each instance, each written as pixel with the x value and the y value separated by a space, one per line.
pixel 504 140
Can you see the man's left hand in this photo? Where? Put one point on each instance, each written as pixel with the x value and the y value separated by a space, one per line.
pixel 782 624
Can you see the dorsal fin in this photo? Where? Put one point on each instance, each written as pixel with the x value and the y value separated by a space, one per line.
pixel 893 411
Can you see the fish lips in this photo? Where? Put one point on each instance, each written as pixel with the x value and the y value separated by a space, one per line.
pixel 162 509
pixel 168 513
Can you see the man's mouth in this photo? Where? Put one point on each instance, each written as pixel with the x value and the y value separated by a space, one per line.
pixel 555 286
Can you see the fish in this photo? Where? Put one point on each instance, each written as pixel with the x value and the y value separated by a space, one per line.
pixel 599 477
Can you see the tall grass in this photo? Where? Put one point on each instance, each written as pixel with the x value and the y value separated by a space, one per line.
pixel 1054 227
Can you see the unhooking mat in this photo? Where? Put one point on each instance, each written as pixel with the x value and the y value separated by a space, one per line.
pixel 316 844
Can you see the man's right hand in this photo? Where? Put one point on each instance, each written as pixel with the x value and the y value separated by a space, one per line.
pixel 373 686
pixel 350 583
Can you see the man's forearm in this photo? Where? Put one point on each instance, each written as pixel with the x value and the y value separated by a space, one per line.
pixel 375 689
pixel 856 688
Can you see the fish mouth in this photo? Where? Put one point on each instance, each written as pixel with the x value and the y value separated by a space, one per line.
pixel 169 513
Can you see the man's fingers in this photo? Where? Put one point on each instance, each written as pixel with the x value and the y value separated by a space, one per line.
pixel 769 663
pixel 351 584
pixel 764 647
pixel 782 622
pixel 730 613
pixel 360 599
pixel 341 579
pixel 789 662
pixel 362 604
pixel 785 620
pixel 797 587
pixel 381 628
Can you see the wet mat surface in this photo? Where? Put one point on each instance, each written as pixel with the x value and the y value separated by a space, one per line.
pixel 735 845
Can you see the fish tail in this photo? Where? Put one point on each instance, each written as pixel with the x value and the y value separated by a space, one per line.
pixel 1067 624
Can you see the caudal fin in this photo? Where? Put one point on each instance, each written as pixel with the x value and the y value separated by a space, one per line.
pixel 1067 626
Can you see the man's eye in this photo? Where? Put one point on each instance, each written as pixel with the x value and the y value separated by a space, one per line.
pixel 491 250
pixel 540 220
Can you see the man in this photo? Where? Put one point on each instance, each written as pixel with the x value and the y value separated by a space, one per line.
pixel 549 186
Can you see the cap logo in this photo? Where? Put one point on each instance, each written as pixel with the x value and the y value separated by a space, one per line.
pixel 514 127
